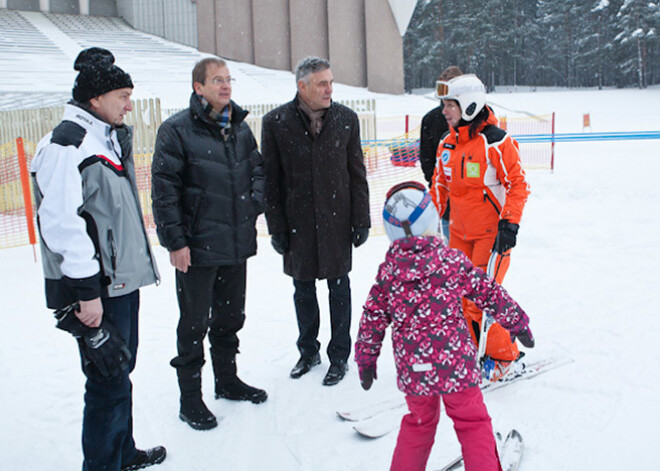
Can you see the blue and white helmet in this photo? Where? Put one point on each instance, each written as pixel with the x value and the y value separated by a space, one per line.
pixel 409 211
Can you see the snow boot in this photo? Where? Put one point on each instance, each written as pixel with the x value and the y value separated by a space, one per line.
pixel 229 386
pixel 146 458
pixel 193 411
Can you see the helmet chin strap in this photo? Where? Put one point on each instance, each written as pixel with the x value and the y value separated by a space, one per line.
pixel 405 225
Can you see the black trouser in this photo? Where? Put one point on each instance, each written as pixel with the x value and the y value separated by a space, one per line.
pixel 307 313
pixel 107 435
pixel 211 299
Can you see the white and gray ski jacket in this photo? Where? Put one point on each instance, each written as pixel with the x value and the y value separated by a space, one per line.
pixel 93 239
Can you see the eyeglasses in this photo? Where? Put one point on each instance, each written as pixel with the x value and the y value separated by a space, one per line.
pixel 222 80
pixel 441 89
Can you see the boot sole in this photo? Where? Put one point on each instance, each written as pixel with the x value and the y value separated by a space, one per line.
pixel 199 425
pixel 253 400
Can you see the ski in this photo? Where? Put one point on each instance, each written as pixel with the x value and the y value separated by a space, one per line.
pixel 382 423
pixel 457 463
pixel 453 465
pixel 364 413
pixel 512 451
pixel 528 371
pixel 380 419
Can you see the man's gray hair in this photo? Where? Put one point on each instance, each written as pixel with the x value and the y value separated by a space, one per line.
pixel 310 65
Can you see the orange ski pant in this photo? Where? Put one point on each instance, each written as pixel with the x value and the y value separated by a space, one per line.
pixel 499 345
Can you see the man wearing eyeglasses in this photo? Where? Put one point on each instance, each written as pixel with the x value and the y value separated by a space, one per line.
pixel 207 191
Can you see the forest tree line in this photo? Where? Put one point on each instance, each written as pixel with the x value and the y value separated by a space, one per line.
pixel 567 43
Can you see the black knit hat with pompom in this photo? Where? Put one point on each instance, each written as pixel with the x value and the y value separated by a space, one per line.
pixel 98 74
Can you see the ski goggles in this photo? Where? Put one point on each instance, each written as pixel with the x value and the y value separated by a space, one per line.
pixel 441 89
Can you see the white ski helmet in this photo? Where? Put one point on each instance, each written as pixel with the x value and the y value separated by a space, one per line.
pixel 409 211
pixel 467 90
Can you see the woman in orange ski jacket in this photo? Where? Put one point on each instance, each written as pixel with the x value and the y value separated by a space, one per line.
pixel 478 167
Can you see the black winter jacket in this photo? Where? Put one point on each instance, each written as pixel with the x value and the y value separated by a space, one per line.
pixel 207 192
pixel 434 126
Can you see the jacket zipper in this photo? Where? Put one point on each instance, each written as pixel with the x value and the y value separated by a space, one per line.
pixel 463 167
pixel 113 251
pixel 488 198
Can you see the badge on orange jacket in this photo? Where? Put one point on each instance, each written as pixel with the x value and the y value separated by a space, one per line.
pixel 472 170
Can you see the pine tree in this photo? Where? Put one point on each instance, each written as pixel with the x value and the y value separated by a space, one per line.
pixel 637 23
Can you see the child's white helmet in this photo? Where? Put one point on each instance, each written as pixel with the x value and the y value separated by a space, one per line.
pixel 467 90
pixel 409 211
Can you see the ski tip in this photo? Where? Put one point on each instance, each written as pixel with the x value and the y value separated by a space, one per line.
pixel 367 435
pixel 343 415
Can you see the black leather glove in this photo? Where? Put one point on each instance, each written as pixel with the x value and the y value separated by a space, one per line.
pixel 506 236
pixel 367 376
pixel 102 345
pixel 525 337
pixel 360 235
pixel 280 242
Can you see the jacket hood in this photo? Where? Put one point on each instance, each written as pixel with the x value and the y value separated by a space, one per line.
pixel 415 257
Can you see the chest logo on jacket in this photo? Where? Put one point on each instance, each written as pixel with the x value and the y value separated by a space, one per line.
pixel 444 157
pixel 472 170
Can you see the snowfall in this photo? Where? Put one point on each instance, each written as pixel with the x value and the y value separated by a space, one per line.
pixel 585 270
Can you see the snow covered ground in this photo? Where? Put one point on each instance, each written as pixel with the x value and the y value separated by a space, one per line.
pixel 584 269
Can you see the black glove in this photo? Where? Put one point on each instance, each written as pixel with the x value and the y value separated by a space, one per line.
pixel 525 337
pixel 367 376
pixel 360 235
pixel 102 345
pixel 506 236
pixel 280 242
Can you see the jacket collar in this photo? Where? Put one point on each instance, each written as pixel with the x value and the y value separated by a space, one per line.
pixel 91 123
pixel 462 133
pixel 238 114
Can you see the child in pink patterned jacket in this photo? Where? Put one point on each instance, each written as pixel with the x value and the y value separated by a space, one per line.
pixel 418 290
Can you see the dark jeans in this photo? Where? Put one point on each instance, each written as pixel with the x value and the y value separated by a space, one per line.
pixel 107 435
pixel 211 299
pixel 307 313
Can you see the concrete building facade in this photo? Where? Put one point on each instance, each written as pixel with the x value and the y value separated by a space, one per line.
pixel 359 37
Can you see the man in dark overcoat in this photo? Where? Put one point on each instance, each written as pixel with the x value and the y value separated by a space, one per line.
pixel 317 205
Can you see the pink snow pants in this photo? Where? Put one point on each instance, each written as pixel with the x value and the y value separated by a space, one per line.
pixel 471 422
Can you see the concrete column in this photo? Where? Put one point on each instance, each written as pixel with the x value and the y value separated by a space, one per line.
pixel 346 41
pixel 272 34
pixel 384 49
pixel 84 7
pixel 44 5
pixel 206 26
pixel 234 35
pixel 309 29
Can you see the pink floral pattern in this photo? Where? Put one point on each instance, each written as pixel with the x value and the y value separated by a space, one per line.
pixel 418 291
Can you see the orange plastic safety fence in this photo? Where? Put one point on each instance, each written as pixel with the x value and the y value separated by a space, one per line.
pixel 388 161
pixel 14 230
